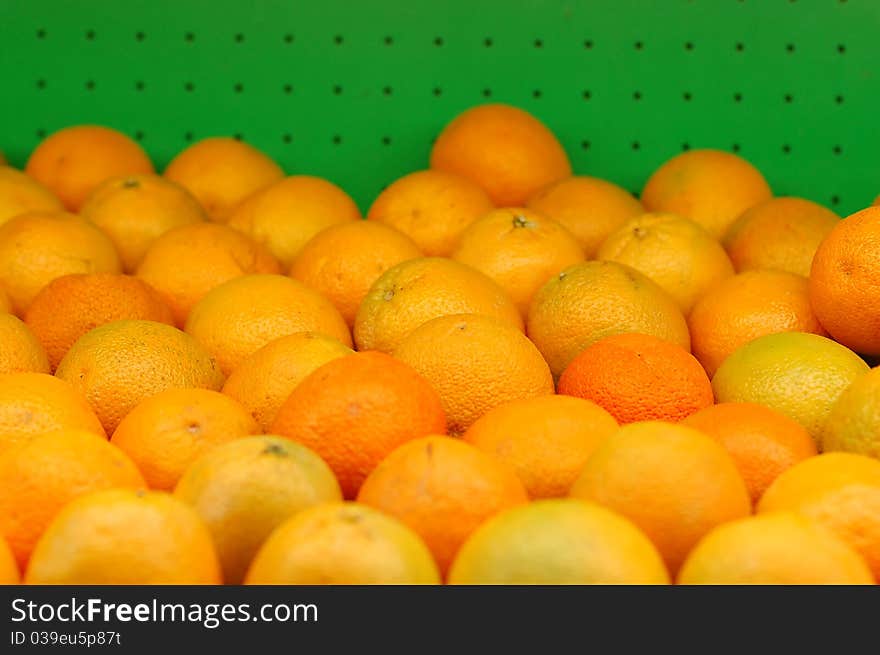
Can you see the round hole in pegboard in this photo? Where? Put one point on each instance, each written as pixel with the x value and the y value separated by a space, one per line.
pixel 437 91
pixel 139 135
pixel 189 37
pixel 139 85
pixel 737 97
pixel 41 133
pixel 789 98
pixel 837 150
pixel 689 46
pixel 41 84
pixel 537 93
pixel 41 34
pixel 789 47
pixel 288 38
pixel 685 147
pixel 238 87
pixel 139 36
pixel 338 39
pixel 238 38
pixel 286 138
pixel 238 136
pixel 637 95
pixel 336 140
pixel 635 145
pixel 538 43
pixel 638 45
pixel 189 87
pixel 488 42
pixel 841 48
pixel 287 88
pixel 487 93
pixel 90 85
pixel 838 99
pixel 188 136
pixel 588 44
pixel 387 91
pixel 386 140
pixel 736 147
pixel 786 149
pixel 587 94
pixel 835 200
pixel 739 46
pixel 90 35
pixel 337 90
pixel 687 96
pixel 438 41
pixel 585 145
pixel 388 40
pixel 635 193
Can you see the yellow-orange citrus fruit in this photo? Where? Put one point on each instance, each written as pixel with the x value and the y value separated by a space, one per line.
pixel 546 440
pixel 343 544
pixel 592 300
pixel 475 363
pixel 710 187
pixel 264 379
pixel 36 248
pixel 443 488
pixel 775 549
pixel 415 291
pixel 9 574
pixel 504 149
pixel 43 474
pixel 432 208
pixel 71 305
pixel 781 234
pixel 588 207
pixel 73 161
pixel 519 249
pixel 240 316
pixel 747 306
pixel 20 350
pixel 167 432
pixel 119 364
pixel 20 194
pixel 187 262
pixel 124 537
pixel 221 172
pixel 853 425
pixel 135 210
pixel 561 541
pixel 284 216
pixel 246 488
pixel 342 262
pixel 672 481
pixel 5 303
pixel 676 253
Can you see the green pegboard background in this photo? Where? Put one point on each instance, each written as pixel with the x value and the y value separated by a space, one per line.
pixel 356 90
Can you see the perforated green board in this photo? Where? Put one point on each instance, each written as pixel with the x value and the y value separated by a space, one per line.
pixel 355 90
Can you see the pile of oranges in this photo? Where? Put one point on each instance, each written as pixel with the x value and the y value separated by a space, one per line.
pixel 504 373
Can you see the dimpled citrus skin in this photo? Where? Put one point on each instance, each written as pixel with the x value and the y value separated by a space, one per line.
pixel 343 544
pixel 562 541
pixel 673 482
pixel 518 248
pixel 506 150
pixel 37 247
pixel 20 350
pixel 798 374
pixel 119 364
pixel 240 316
pixel 442 488
pixel 782 548
pixel 123 537
pixel 246 488
pixel 9 573
pixel 418 290
pixel 595 299
pixel 590 208
pixel 71 305
pixel 35 403
pixel 264 379
pixel 546 440
pixel 475 363
pixel 45 473
pixel 853 425
pixel 20 193
pixel 355 410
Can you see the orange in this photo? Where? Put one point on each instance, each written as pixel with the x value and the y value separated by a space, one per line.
pixel 710 187
pixel 167 432
pixel 590 208
pixel 637 377
pixel 20 350
pixel 475 363
pixel 588 301
pixel 20 194
pixel 36 248
pixel 221 172
pixel 36 403
pixel 798 374
pixel 415 291
pixel 5 303
pixel 506 150
pixel 43 474
pixel 747 306
pixel 676 253
pixel 240 316
pixel 354 410
pixel 119 364
pixel 778 549
pixel 546 440
pixel 519 249
pixel 781 233
pixel 123 537
pixel 443 488
pixel 264 379
pixel 246 488
pixel 135 210
pixel 342 262
pixel 845 282
pixel 763 442
pixel 563 541
pixel 673 482
pixel 432 208
pixel 285 215
pixel 73 161
pixel 9 574
pixel 343 544
pixel 71 305
pixel 840 491
pixel 187 262
pixel 853 425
